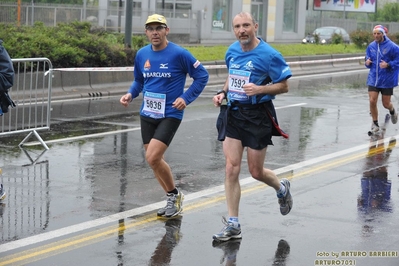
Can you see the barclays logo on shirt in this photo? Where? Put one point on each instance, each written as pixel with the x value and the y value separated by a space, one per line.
pixel 157 75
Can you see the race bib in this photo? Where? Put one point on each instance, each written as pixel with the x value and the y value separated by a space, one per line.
pixel 237 79
pixel 154 104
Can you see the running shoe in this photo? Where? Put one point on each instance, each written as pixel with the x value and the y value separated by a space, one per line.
pixel 228 232
pixel 285 201
pixel 394 118
pixel 174 204
pixel 161 211
pixel 2 192
pixel 375 129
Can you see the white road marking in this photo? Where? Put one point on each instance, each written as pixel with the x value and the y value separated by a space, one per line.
pixel 155 206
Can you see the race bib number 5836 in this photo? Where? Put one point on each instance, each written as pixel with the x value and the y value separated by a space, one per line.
pixel 154 104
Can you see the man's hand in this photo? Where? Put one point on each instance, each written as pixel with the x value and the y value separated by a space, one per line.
pixel 218 99
pixel 126 99
pixel 368 62
pixel 383 64
pixel 251 89
pixel 179 104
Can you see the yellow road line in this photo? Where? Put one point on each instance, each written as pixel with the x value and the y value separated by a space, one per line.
pixel 102 234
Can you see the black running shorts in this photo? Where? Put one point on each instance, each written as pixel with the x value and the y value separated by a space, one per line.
pixel 252 126
pixel 384 91
pixel 163 129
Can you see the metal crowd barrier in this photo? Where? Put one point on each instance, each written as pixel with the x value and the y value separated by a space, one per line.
pixel 25 211
pixel 32 95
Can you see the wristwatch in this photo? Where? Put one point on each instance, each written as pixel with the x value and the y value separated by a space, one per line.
pixel 222 91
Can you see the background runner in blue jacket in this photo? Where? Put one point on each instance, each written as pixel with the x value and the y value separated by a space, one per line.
pixel 256 73
pixel 6 82
pixel 6 79
pixel 160 71
pixel 382 58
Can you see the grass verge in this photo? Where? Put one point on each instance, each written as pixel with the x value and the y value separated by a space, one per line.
pixel 212 53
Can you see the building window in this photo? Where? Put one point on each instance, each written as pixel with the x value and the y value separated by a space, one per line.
pixel 137 8
pixel 290 15
pixel 174 8
pixel 221 15
pixel 117 7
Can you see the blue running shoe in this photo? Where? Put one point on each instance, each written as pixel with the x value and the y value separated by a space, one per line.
pixel 228 232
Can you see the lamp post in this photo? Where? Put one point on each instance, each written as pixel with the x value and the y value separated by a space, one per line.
pixel 128 23
pixel 119 15
pixel 84 9
pixel 33 12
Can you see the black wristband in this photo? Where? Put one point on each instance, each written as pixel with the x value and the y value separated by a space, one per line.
pixel 222 91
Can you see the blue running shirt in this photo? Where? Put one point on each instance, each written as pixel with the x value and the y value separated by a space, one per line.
pixel 260 66
pixel 161 77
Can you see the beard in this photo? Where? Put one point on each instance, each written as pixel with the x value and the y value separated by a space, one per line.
pixel 245 42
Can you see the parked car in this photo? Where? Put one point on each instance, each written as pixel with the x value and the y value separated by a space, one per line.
pixel 326 34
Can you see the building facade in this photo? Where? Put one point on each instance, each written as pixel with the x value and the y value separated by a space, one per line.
pixel 209 21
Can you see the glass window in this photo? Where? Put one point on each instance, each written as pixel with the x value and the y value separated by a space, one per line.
pixel 137 8
pixel 290 17
pixel 117 7
pixel 174 8
pixel 221 15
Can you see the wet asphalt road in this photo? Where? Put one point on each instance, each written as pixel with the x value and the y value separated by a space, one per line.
pixel 91 199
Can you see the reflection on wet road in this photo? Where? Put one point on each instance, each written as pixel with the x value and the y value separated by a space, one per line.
pixel 91 199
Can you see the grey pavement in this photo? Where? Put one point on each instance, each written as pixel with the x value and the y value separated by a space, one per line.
pixel 91 198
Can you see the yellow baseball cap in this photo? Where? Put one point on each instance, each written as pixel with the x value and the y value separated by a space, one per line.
pixel 156 18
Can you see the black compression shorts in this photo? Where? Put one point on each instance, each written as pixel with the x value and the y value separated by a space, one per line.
pixel 163 129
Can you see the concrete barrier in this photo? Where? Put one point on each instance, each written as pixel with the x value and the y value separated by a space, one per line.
pixel 97 82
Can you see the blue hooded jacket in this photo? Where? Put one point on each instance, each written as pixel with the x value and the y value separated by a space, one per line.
pixel 6 79
pixel 387 51
pixel 6 70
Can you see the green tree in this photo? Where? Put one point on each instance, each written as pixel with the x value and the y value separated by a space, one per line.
pixel 389 13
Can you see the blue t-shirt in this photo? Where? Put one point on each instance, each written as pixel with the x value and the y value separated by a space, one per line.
pixel 161 77
pixel 262 65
